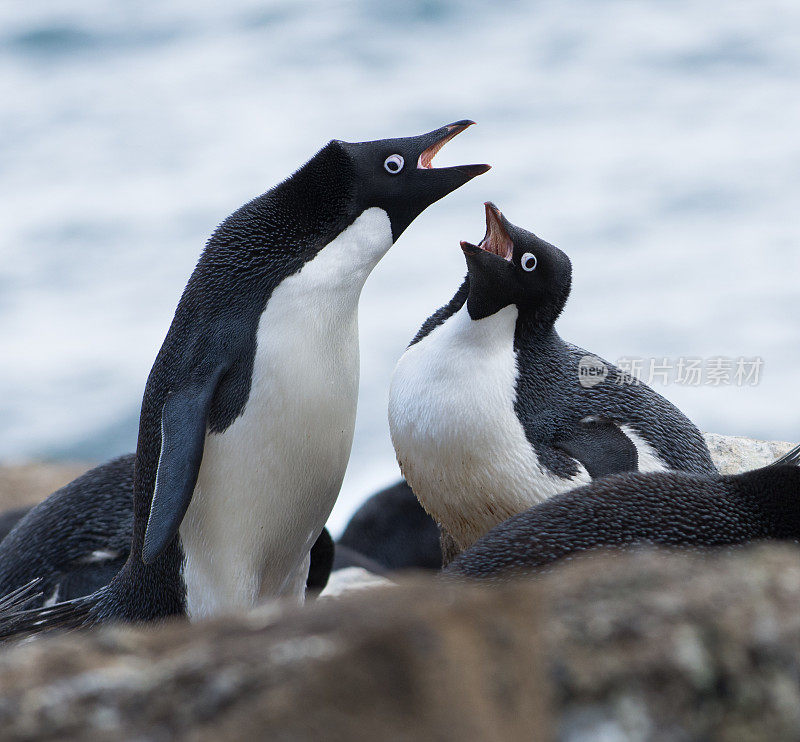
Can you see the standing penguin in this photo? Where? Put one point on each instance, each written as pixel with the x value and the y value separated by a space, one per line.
pixel 623 511
pixel 248 413
pixel 487 411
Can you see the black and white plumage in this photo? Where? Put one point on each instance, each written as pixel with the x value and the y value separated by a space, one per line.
pixel 487 411
pixel 668 509
pixel 248 412
pixel 75 541
pixel 10 518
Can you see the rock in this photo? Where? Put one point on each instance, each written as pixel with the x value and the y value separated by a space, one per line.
pixel 670 647
pixel 425 662
pixel 636 646
pixel 27 484
pixel 734 454
pixel 351 578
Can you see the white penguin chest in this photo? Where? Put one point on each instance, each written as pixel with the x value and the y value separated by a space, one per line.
pixel 458 440
pixel 267 484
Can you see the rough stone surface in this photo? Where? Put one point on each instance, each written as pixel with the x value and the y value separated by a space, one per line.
pixel 655 647
pixel 734 454
pixel 425 662
pixel 638 646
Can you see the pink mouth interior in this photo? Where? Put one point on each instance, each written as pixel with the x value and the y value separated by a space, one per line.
pixel 426 158
pixel 496 239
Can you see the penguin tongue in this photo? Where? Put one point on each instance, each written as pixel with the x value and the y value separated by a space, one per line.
pixel 496 240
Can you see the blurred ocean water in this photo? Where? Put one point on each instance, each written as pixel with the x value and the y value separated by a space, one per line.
pixel 657 142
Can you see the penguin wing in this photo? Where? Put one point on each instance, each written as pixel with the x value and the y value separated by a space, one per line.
pixel 601 447
pixel 183 433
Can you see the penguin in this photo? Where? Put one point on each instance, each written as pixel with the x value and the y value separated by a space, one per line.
pixel 392 530
pixel 10 518
pixel 623 511
pixel 490 411
pixel 76 540
pixel 248 412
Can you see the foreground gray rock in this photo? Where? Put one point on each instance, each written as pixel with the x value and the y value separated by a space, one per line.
pixel 416 663
pixel 674 648
pixel 641 646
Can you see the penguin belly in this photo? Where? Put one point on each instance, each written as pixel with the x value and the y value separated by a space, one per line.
pixel 458 440
pixel 268 483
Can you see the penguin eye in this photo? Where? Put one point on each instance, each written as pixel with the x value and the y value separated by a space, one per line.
pixel 393 164
pixel 528 262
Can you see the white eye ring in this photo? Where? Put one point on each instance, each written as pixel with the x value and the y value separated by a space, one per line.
pixel 393 164
pixel 528 262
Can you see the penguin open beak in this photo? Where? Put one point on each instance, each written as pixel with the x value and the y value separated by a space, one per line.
pixel 398 176
pixel 439 138
pixel 496 240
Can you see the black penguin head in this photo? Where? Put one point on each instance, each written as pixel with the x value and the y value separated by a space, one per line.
pixel 513 266
pixel 397 175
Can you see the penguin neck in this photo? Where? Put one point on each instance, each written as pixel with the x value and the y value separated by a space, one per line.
pixel 488 332
pixel 302 213
pixel 531 331
pixel 344 265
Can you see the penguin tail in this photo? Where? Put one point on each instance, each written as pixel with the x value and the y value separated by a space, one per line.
pixel 18 622
pixel 792 458
pixel 17 600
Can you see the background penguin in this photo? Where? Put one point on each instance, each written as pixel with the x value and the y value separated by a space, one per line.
pixel 670 509
pixel 248 413
pixel 391 530
pixel 487 412
pixel 76 540
pixel 10 518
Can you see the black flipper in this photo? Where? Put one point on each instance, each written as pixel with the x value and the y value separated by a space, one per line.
pixel 183 434
pixel 601 447
pixel 792 457
pixel 85 579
